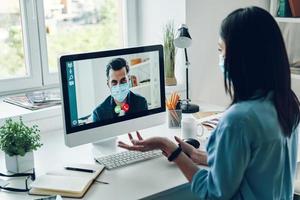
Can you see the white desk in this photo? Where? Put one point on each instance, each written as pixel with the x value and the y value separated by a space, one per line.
pixel 152 179
pixel 132 182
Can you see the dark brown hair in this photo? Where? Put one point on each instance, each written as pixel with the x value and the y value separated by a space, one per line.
pixel 116 64
pixel 256 61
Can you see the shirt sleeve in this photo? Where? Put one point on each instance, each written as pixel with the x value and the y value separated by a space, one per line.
pixel 228 163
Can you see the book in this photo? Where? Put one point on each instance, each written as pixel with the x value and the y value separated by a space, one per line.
pixel 295 7
pixel 200 115
pixel 66 183
pixel 284 9
pixel 209 119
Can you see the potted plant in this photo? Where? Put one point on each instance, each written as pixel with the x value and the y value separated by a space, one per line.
pixel 18 141
pixel 169 54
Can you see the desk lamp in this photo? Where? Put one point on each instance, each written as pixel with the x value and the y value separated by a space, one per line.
pixel 183 40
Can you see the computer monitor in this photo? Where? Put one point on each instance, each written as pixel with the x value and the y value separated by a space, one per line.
pixel 109 93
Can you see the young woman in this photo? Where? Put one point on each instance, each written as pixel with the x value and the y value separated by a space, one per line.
pixel 252 153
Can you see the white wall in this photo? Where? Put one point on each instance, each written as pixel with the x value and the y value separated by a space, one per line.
pixel 291 33
pixel 152 16
pixel 296 85
pixel 203 18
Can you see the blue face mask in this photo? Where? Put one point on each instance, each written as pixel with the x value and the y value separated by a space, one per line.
pixel 119 92
pixel 221 63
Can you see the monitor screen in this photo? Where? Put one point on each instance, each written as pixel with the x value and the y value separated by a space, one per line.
pixel 101 88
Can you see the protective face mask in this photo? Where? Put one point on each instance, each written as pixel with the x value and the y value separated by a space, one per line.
pixel 221 62
pixel 120 92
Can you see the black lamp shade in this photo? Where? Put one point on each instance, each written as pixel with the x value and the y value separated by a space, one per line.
pixel 183 38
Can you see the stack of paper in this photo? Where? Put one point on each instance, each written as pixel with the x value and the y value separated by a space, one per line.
pixel 36 100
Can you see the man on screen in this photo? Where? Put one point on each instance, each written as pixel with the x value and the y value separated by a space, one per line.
pixel 121 101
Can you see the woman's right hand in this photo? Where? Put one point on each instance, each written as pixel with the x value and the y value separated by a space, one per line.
pixel 199 157
pixel 140 144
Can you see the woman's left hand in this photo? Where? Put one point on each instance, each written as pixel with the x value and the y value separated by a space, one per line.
pixel 140 144
pixel 186 165
pixel 198 156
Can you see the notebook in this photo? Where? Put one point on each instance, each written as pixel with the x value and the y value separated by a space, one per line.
pixel 208 119
pixel 200 115
pixel 66 183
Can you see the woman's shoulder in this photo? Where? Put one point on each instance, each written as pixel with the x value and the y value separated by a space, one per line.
pixel 252 111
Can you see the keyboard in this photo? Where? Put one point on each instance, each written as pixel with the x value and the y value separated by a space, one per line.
pixel 126 158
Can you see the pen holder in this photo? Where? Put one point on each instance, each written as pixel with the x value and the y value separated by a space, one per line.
pixel 174 118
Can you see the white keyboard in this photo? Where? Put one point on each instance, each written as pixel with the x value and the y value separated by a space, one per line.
pixel 126 157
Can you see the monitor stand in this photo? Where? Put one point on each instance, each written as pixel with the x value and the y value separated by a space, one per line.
pixel 106 147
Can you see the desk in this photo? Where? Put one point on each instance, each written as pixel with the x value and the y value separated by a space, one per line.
pixel 129 182
pixel 152 179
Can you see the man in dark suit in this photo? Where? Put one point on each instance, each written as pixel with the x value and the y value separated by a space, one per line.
pixel 121 101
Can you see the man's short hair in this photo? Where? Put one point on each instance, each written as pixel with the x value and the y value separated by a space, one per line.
pixel 116 64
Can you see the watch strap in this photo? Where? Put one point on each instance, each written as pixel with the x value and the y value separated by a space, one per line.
pixel 174 154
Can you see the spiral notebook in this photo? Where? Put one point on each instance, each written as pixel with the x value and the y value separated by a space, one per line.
pixel 65 182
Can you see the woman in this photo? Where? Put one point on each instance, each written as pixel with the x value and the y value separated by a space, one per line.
pixel 252 152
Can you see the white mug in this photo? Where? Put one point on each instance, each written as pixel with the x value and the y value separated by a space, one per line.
pixel 189 128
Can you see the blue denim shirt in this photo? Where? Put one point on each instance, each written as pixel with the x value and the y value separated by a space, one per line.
pixel 248 156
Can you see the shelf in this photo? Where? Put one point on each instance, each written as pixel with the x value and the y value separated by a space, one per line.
pixel 139 65
pixel 141 86
pixel 287 19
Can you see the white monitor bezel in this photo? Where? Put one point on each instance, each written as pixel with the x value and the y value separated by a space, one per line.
pixel 95 132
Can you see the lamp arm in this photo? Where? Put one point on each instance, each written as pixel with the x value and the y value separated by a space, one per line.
pixel 187 64
pixel 186 57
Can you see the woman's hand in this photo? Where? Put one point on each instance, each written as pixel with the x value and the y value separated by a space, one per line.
pixel 186 165
pixel 164 144
pixel 199 157
pixel 186 148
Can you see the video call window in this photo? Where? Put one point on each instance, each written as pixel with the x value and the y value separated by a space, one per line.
pixel 106 88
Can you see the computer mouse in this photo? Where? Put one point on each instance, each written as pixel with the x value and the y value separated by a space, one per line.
pixel 195 143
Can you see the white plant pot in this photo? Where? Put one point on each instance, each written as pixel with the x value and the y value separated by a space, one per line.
pixel 19 164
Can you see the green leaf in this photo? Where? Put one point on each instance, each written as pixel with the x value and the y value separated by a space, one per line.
pixel 17 139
